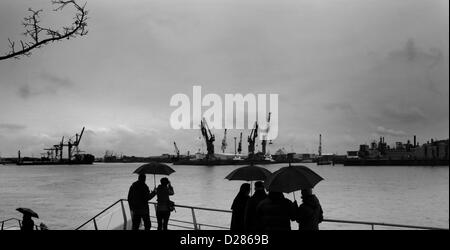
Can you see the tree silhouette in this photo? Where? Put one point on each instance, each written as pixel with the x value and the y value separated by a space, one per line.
pixel 37 36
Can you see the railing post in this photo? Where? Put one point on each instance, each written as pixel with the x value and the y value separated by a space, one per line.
pixel 3 223
pixel 373 227
pixel 194 220
pixel 124 216
pixel 95 224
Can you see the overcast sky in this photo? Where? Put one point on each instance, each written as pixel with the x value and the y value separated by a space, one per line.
pixel 350 70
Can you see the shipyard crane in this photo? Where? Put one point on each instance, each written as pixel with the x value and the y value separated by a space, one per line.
pixel 224 141
pixel 177 151
pixel 264 140
pixel 72 146
pixel 320 144
pixel 240 145
pixel 252 139
pixel 59 149
pixel 208 136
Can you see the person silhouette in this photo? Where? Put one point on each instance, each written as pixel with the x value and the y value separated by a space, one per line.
pixel 250 210
pixel 164 205
pixel 138 196
pixel 238 208
pixel 310 212
pixel 275 212
pixel 27 222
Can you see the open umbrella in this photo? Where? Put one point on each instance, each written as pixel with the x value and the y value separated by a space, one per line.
pixel 154 168
pixel 28 211
pixel 249 173
pixel 292 178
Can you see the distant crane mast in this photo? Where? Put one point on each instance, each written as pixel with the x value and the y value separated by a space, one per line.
pixel 208 136
pixel 177 151
pixel 264 140
pixel 224 141
pixel 239 150
pixel 320 144
pixel 252 139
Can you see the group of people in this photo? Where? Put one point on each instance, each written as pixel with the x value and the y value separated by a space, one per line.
pixel 138 197
pixel 272 211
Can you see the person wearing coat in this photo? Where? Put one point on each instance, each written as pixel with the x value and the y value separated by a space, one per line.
pixel 238 208
pixel 164 205
pixel 250 210
pixel 275 213
pixel 310 212
pixel 138 196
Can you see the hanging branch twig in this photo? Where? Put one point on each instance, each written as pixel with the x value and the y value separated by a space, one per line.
pixel 39 36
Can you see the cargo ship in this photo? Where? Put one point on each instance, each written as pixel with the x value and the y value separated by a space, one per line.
pixel 55 154
pixel 431 153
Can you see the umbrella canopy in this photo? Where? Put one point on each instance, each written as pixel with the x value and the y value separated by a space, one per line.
pixel 292 178
pixel 28 211
pixel 249 173
pixel 154 168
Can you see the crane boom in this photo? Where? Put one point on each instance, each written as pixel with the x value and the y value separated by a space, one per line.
pixel 224 141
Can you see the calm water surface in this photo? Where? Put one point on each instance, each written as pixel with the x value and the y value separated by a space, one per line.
pixel 67 196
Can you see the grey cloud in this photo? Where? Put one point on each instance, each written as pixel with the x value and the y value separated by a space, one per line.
pixel 404 114
pixel 389 132
pixel 45 84
pixel 411 53
pixel 11 127
pixel 339 106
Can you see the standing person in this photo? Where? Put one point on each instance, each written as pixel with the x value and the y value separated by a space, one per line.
pixel 275 212
pixel 138 197
pixel 310 212
pixel 238 208
pixel 250 210
pixel 164 206
pixel 27 222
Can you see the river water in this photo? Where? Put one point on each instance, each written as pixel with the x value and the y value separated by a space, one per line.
pixel 66 196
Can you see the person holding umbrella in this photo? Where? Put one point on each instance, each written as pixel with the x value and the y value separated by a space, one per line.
pixel 275 213
pixel 138 197
pixel 27 221
pixel 238 208
pixel 250 210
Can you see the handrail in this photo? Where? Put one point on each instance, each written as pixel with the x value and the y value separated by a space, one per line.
pixel 10 219
pixel 2 224
pixel 197 226
pixel 104 210
pixel 383 224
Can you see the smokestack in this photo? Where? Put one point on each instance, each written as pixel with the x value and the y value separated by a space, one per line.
pixel 415 141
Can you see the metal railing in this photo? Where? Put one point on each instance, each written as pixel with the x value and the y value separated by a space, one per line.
pixel 18 226
pixel 194 224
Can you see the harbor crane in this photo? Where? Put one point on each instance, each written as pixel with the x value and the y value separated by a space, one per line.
pixel 224 141
pixel 240 145
pixel 177 151
pixel 264 140
pixel 72 147
pixel 320 144
pixel 252 139
pixel 208 136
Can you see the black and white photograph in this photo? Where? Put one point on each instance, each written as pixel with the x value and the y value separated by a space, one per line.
pixel 235 117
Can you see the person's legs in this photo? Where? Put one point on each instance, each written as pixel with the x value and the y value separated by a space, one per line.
pixel 136 221
pixel 147 222
pixel 166 220
pixel 159 217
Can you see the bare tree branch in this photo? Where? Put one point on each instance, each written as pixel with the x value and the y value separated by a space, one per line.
pixel 39 36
